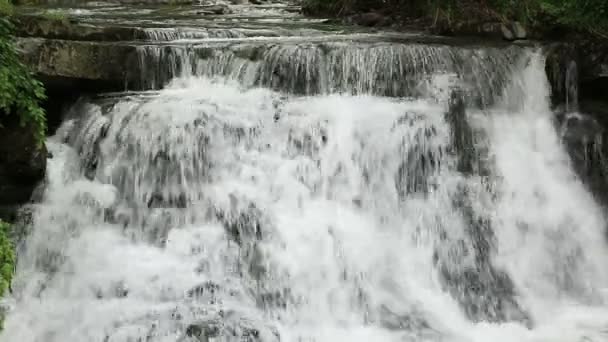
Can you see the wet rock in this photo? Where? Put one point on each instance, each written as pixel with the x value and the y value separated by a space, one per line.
pixel 519 31
pixel 584 136
pixel 203 331
pixel 215 10
pixel 507 33
pixel 112 66
pixel 484 292
pixel 462 139
pixel 229 326
pixel 40 27
pixel 409 322
pixel 243 227
pixel 560 60
pixel 593 70
pixel 206 291
pixel 158 200
pixel 22 165
pixel 491 29
pixel 413 174
pixel 274 299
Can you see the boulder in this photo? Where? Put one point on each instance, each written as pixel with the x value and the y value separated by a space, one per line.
pixel 519 31
pixel 54 59
pixel 370 19
pixel 507 33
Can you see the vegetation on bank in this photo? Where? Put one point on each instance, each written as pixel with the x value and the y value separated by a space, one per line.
pixel 583 15
pixel 7 261
pixel 20 93
pixel 7 258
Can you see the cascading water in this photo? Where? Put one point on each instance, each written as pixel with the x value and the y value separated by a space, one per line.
pixel 213 211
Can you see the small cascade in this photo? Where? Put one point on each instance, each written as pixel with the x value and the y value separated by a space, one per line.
pixel 172 34
pixel 381 69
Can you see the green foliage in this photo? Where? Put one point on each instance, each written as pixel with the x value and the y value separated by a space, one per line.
pixel 20 92
pixel 585 15
pixel 6 8
pixel 7 258
pixel 582 14
pixel 55 15
pixel 7 261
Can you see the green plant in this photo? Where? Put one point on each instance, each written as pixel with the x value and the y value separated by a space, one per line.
pixel 6 8
pixel 55 15
pixel 584 15
pixel 7 260
pixel 20 93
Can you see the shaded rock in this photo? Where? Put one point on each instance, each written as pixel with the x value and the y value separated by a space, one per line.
pixel 371 19
pixel 230 326
pixel 584 136
pixel 22 164
pixel 466 271
pixel 461 134
pixel 408 322
pixel 560 59
pixel 203 331
pixel 593 70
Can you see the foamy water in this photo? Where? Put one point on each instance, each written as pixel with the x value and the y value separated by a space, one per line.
pixel 209 212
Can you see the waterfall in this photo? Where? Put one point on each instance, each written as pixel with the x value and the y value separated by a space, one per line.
pixel 324 191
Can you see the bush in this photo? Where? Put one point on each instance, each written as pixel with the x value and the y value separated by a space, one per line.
pixel 6 8
pixel 7 261
pixel 7 258
pixel 586 15
pixel 20 93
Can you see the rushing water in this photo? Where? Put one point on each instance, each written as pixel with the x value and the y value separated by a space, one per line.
pixel 217 211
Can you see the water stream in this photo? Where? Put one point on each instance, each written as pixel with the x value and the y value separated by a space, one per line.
pixel 333 192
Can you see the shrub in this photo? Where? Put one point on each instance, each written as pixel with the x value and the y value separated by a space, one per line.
pixel 7 261
pixel 55 15
pixel 586 15
pixel 6 8
pixel 7 258
pixel 20 93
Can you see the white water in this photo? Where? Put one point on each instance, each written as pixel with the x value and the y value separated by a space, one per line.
pixel 322 222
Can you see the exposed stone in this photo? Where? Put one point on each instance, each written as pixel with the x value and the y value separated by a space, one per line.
pixel 519 31
pixel 116 64
pixel 371 19
pixel 507 33
pixel 593 69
